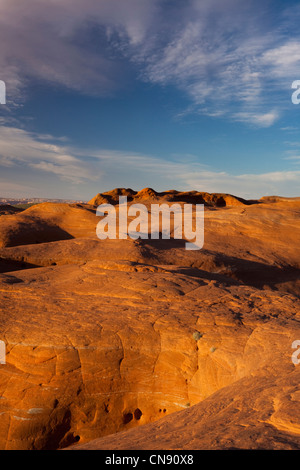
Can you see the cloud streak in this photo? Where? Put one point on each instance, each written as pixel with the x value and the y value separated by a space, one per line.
pixel 66 42
pixel 230 61
pixel 96 170
pixel 230 58
pixel 19 148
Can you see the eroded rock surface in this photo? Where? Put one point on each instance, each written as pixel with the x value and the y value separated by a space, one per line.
pixel 103 337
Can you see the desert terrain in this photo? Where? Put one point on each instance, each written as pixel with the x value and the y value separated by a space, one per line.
pixel 141 344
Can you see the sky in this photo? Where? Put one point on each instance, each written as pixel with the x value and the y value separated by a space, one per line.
pixel 168 94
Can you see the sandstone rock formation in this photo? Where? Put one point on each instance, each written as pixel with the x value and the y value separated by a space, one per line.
pixel 47 222
pixel 141 344
pixel 6 209
pixel 149 194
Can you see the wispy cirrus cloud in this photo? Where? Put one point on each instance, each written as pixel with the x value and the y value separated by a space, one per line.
pixel 19 148
pixel 231 59
pixel 67 42
pixel 95 169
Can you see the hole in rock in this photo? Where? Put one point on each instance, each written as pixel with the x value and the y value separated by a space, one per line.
pixel 138 413
pixel 106 408
pixel 127 417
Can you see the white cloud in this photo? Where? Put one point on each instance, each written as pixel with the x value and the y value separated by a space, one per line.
pixel 284 59
pixel 52 41
pixel 95 169
pixel 231 58
pixel 263 120
pixel 20 148
pixel 282 183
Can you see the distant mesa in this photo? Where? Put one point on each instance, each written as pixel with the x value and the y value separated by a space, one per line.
pixel 195 197
pixel 34 200
pixel 147 193
pixel 112 197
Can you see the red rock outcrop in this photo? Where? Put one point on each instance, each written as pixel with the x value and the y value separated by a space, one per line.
pixel 149 194
pixel 104 337
pixel 47 222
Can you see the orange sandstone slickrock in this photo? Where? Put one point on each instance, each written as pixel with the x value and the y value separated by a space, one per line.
pixel 260 413
pixel 141 344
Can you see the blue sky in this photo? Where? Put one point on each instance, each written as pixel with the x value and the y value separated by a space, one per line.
pixel 187 95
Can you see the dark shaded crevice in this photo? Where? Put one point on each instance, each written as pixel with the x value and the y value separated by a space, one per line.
pixel 10 265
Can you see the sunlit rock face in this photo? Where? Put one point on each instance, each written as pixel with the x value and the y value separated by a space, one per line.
pixel 103 337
